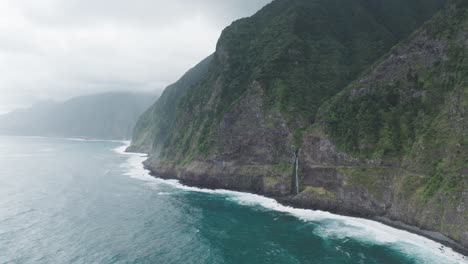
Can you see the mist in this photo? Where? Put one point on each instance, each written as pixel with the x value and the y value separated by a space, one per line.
pixel 58 49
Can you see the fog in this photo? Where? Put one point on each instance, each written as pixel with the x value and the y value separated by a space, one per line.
pixel 58 49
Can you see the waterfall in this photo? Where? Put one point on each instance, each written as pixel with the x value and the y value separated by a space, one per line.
pixel 296 161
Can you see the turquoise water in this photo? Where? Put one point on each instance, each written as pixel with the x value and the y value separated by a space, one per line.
pixel 72 201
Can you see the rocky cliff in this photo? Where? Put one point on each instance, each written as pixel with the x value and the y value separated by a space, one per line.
pixel 155 124
pixel 370 120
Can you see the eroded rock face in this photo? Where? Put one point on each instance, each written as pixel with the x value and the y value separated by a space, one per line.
pixel 329 179
pixel 421 53
pixel 319 150
pixel 245 136
pixel 253 153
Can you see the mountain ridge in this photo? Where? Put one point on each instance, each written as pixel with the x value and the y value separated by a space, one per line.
pixel 109 115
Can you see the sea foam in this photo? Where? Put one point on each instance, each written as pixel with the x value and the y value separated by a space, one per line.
pixel 333 226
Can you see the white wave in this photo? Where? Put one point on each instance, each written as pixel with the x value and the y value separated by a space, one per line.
pixel 134 165
pixel 121 149
pixel 331 225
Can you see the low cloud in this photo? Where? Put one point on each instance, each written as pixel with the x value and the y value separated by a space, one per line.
pixel 57 49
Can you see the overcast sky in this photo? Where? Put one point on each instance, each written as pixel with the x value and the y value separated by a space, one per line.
pixel 57 49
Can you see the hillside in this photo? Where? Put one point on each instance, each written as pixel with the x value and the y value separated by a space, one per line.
pixel 103 116
pixel 300 52
pixel 155 124
pixel 404 123
pixel 366 101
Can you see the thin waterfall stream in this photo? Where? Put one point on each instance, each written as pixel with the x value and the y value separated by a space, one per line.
pixel 296 161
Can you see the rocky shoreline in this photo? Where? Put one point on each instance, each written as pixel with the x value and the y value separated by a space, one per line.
pixel 171 173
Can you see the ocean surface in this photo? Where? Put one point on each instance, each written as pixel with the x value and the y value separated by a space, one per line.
pixel 77 201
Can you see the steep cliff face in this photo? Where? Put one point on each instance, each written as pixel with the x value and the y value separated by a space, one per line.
pixel 154 125
pixel 299 52
pixel 404 122
pixel 375 135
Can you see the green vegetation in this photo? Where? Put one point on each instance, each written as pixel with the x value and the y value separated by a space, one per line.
pixel 299 52
pixel 155 125
pixel 373 179
pixel 320 191
pixel 411 185
pixel 284 168
pixel 417 116
pixel 302 53
pixel 270 183
pixel 306 51
pixel 388 117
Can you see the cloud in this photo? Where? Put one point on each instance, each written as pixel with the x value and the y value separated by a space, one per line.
pixel 56 49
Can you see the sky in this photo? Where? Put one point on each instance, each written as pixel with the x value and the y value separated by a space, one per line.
pixel 58 49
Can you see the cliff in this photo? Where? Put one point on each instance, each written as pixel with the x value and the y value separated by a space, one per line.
pixel 366 102
pixel 155 124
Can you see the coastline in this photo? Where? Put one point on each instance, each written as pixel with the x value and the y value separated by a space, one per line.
pixel 447 246
pixel 446 243
pixel 287 201
pixel 434 236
